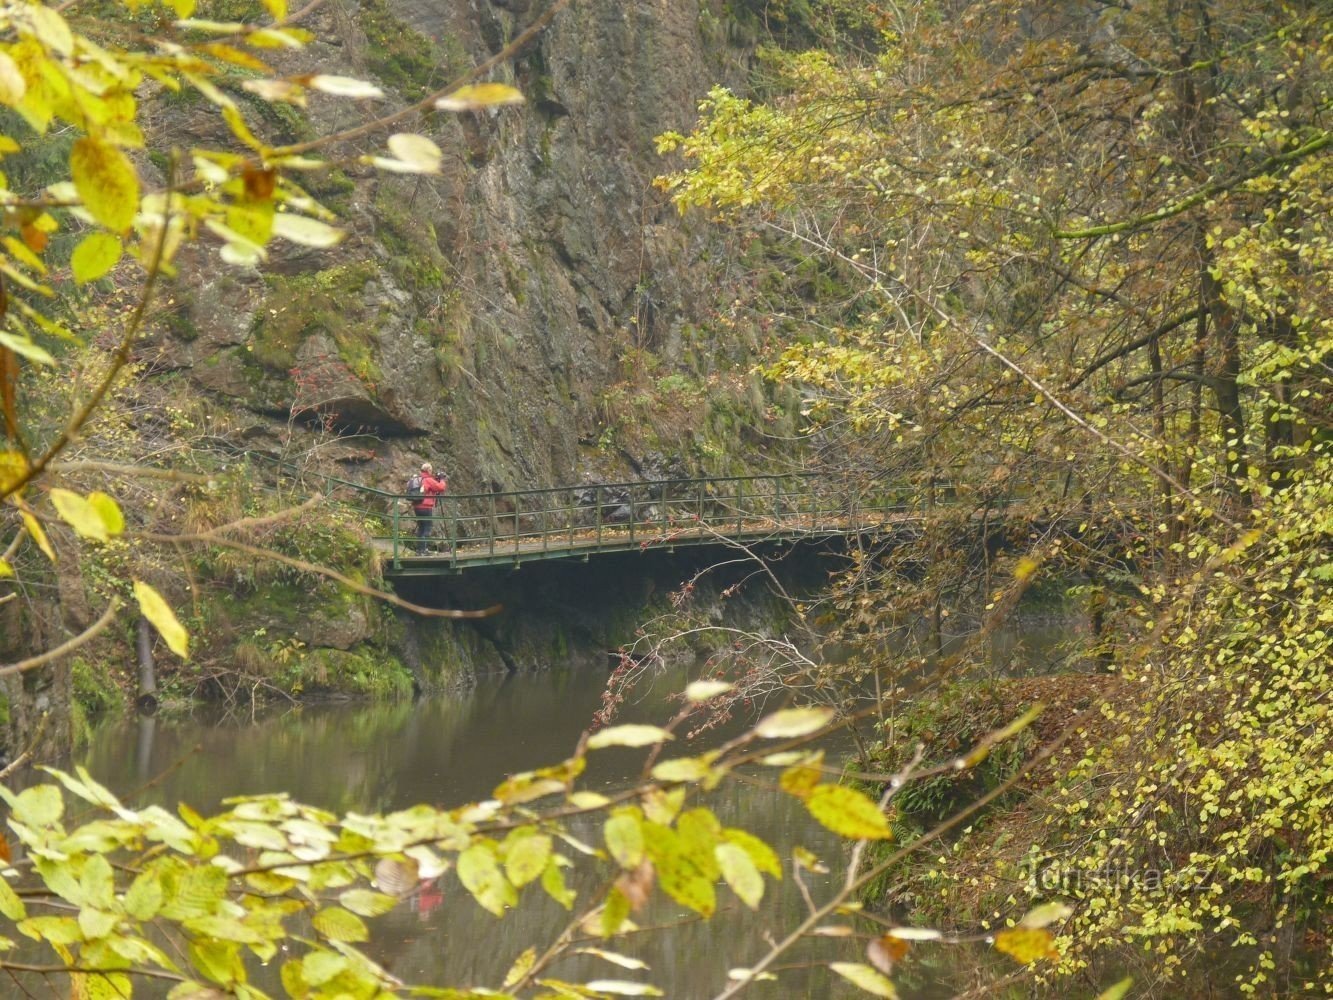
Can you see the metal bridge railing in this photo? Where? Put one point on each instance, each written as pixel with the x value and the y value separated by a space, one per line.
pixel 497 527
pixel 515 525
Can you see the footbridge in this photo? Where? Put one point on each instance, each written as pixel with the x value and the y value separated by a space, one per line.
pixel 470 530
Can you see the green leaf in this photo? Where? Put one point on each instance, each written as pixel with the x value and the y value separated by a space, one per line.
pixel 144 897
pixel 367 902
pixel 39 806
pixel 681 872
pixel 614 913
pixel 481 875
pixel 338 924
pixel 80 515
pixel 106 181
pixel 97 883
pixel 96 254
pixel 96 923
pixel 624 838
pixel 319 966
pixel 741 874
pixel 682 769
pixel 553 881
pixel 159 613
pixel 24 347
pixel 631 735
pixel 526 857
pixel 848 813
pixel 218 961
pixel 867 978
pixel 760 853
pixel 10 905
pixel 793 722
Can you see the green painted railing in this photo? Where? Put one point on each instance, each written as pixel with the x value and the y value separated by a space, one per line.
pixel 515 526
pixel 521 525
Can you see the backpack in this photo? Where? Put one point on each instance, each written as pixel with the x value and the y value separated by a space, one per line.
pixel 415 492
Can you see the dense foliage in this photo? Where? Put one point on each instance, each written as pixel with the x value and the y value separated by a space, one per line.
pixel 1077 259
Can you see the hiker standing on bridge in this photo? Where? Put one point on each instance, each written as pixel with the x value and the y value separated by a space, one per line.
pixel 424 503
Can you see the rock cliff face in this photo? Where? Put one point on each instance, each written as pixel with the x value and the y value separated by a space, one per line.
pixel 537 314
pixel 477 317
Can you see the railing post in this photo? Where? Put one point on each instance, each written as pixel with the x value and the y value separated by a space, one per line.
pixel 394 529
pixel 740 500
pixel 597 508
pixel 494 527
pixel 631 513
pixel 453 531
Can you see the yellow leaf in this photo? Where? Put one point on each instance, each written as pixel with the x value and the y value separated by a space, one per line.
pixel 23 255
pixel 12 84
pixel 106 181
pixel 343 86
pixel 1025 567
pixel 1116 992
pixel 1026 944
pixel 521 967
pixel 871 980
pixel 159 613
pixel 5 569
pixel 792 722
pixel 108 510
pixel 50 28
pixel 75 511
pixel 704 690
pixel 631 735
pixel 416 151
pixel 183 8
pixel 848 813
pixel 1045 915
pixel 38 535
pixel 306 231
pixel 478 96
pixel 96 254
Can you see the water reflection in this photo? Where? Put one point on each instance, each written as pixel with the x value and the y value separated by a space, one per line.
pixel 452 750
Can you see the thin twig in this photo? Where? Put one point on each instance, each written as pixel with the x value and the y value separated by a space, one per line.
pixel 87 635
pixel 119 358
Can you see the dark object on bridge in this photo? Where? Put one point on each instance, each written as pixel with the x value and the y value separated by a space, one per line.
pixel 620 514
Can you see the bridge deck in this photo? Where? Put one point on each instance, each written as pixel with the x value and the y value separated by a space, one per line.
pixel 514 550
pixel 517 526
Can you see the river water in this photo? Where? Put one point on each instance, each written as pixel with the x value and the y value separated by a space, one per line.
pixel 447 751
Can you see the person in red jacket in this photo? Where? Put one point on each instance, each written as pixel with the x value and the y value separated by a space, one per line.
pixel 424 508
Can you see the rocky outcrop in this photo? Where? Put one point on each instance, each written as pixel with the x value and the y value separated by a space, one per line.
pixel 478 316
